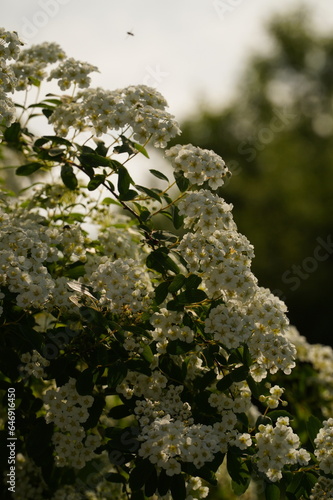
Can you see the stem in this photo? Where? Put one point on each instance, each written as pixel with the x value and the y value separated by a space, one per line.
pixel 167 206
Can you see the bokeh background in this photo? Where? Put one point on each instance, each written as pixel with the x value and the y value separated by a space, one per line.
pixel 252 80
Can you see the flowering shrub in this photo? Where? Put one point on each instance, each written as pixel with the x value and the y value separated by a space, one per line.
pixel 142 360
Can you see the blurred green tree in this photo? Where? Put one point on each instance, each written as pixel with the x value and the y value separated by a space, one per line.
pixel 277 138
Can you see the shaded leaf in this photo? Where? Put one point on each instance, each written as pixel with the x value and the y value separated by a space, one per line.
pixel 181 181
pixel 161 292
pixel 272 492
pixel 95 182
pixel 68 177
pixel 124 180
pixel 116 374
pixel 85 382
pixel 177 283
pixel 140 474
pixel 159 175
pixel 178 487
pixel 29 168
pixel 313 426
pixel 193 281
pixel 177 219
pixel 120 411
pixel 149 192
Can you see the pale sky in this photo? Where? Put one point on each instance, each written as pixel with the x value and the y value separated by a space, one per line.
pixel 190 50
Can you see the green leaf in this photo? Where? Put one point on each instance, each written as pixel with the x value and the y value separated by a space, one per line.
pixel 141 149
pixel 272 492
pixel 151 485
pixel 239 374
pixel 175 305
pixel 179 347
pixel 68 177
pixel 191 296
pixel 12 133
pixel 101 149
pixel 127 146
pixel 159 175
pixel 55 140
pixel 254 386
pixel 144 214
pixel 161 262
pixel 124 180
pixel 95 182
pixel 39 439
pixel 224 383
pixel 95 412
pixel 110 201
pixel 129 195
pixel 193 281
pixel 177 219
pixel 181 181
pixel 29 168
pixel 149 192
pixel 113 477
pixel 168 366
pixel 296 482
pixel 177 283
pixel 161 292
pixel 75 270
pixel 313 426
pixel 140 474
pixel 163 483
pixel 94 160
pixel 120 411
pixel 240 488
pixel 47 112
pixel 207 379
pixel 116 373
pixel 147 353
pixel 178 487
pixel 85 382
pixel 238 471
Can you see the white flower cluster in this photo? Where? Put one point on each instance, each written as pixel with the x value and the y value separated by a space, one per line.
pixel 142 108
pixel 68 410
pixel 167 328
pixel 250 314
pixel 273 400
pixel 321 358
pixel 31 63
pixel 261 324
pixel 277 447
pixel 168 403
pixel 9 49
pixel 27 247
pixel 72 71
pixel 198 165
pixel 139 384
pixel 167 441
pixel 206 212
pixel 323 489
pixel 324 446
pixel 123 284
pixel 238 399
pixel 34 364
